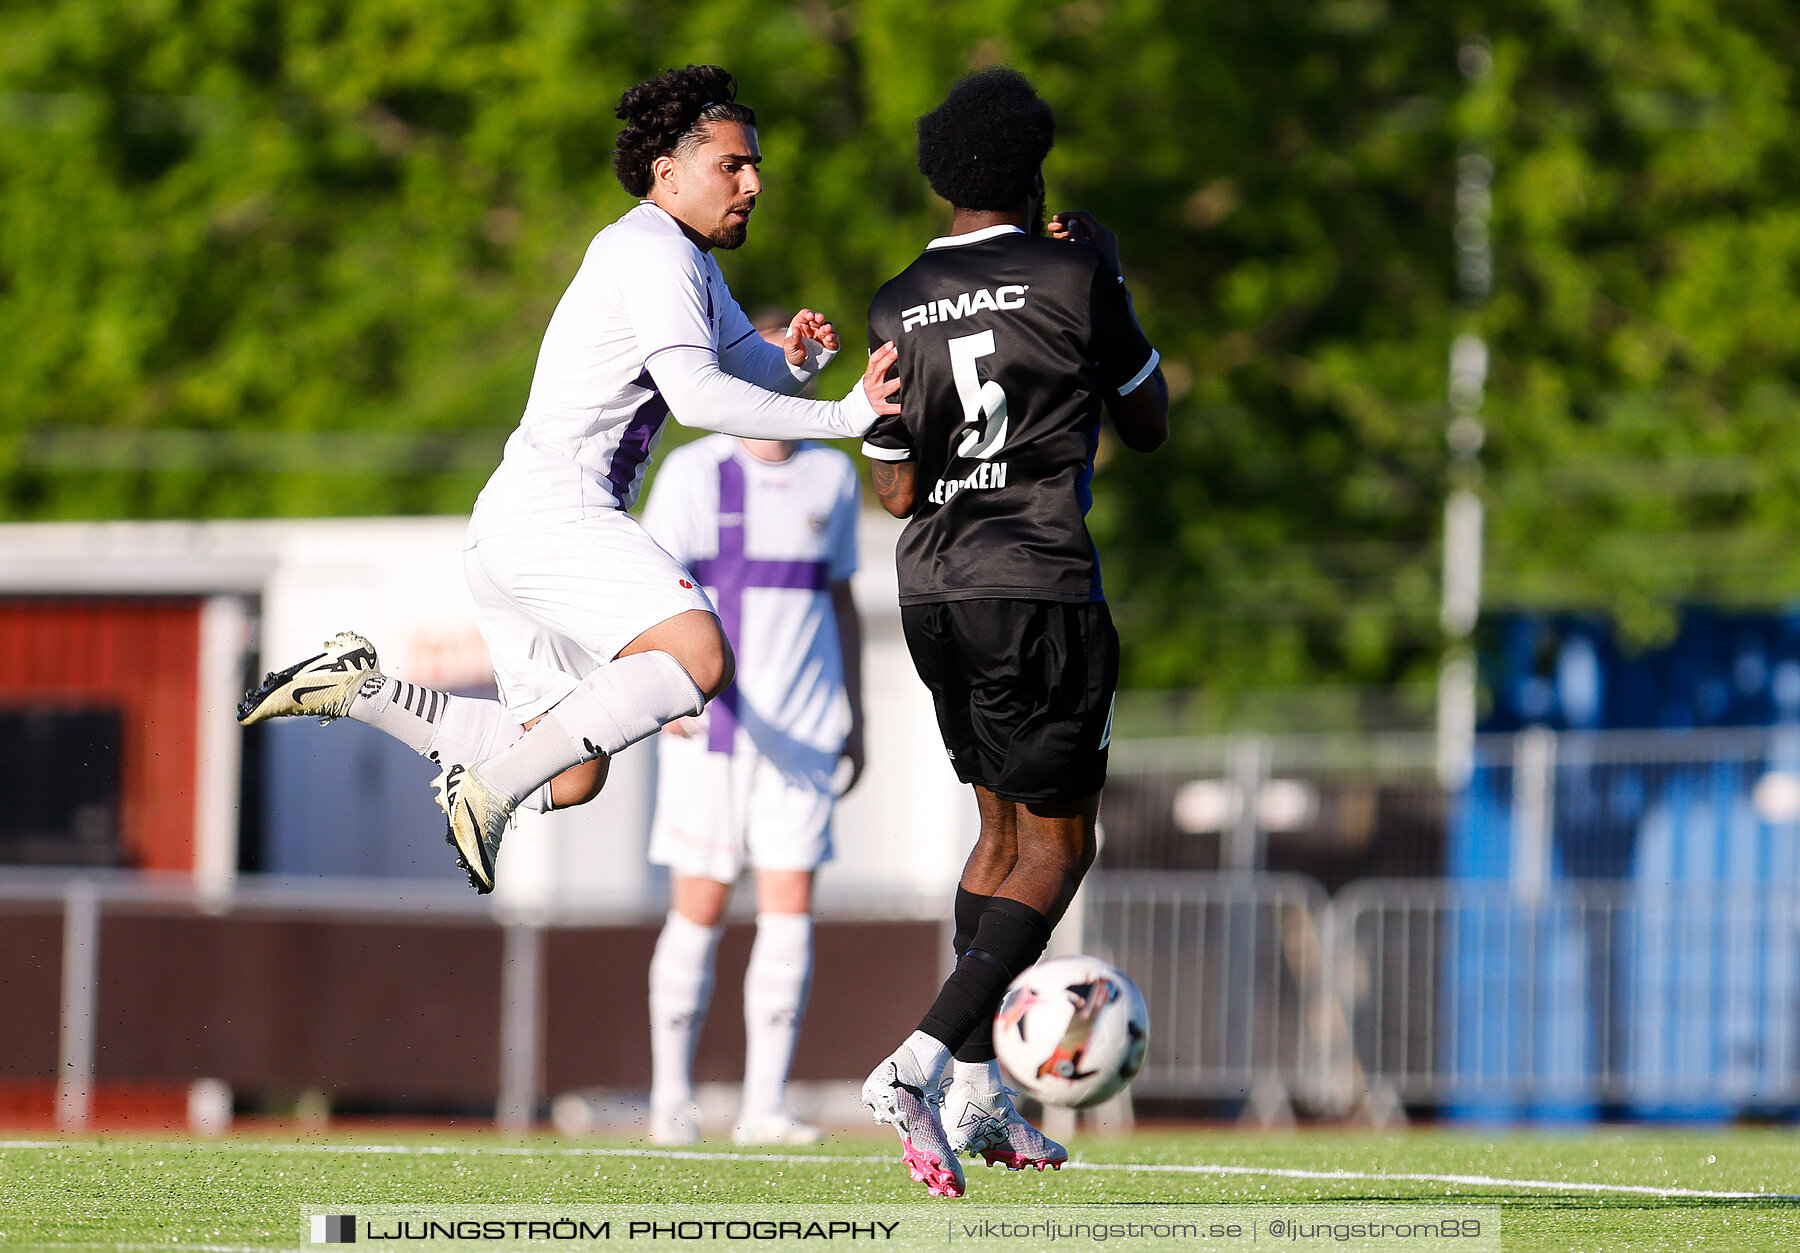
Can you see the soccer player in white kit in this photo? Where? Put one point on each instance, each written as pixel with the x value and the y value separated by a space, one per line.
pixel 599 637
pixel 769 530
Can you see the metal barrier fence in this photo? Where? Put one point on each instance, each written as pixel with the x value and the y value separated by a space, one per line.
pixel 1622 935
pixel 86 897
pixel 1590 999
pixel 1608 922
pixel 1712 805
pixel 271 986
pixel 1234 968
pixel 1595 997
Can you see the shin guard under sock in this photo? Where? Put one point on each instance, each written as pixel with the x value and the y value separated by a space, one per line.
pixel 1010 937
pixel 681 981
pixel 775 984
pixel 617 705
pixel 403 710
pixel 967 915
pixel 444 728
pixel 979 1047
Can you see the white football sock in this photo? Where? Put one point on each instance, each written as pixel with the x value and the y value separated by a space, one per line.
pixel 931 1054
pixel 984 1077
pixel 406 711
pixel 681 979
pixel 775 985
pixel 440 726
pixel 473 730
pixel 617 705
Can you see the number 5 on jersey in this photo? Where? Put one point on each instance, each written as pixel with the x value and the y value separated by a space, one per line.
pixel 984 404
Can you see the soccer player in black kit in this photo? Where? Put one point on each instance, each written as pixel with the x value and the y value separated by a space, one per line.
pixel 1012 346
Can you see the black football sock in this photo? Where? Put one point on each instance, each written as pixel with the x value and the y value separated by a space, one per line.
pixel 1009 938
pixel 979 1047
pixel 967 915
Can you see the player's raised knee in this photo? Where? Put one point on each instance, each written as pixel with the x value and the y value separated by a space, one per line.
pixel 710 665
pixel 697 644
pixel 579 784
pixel 713 671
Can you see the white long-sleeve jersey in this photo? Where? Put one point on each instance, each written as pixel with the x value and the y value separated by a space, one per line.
pixel 647 329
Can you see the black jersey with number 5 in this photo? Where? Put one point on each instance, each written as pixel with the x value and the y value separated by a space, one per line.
pixel 1008 344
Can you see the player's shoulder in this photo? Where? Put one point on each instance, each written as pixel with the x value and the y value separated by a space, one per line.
pixel 891 294
pixel 949 258
pixel 646 234
pixel 1078 262
pixel 1076 254
pixel 938 257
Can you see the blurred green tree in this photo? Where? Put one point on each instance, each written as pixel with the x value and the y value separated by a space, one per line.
pixel 289 259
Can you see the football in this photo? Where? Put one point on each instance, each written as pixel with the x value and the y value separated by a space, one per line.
pixel 1072 1031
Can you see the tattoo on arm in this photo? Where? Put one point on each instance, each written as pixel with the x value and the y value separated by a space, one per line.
pixel 893 482
pixel 886 477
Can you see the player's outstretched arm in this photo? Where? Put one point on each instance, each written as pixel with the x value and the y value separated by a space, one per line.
pixel 785 365
pixel 893 482
pixel 664 288
pixel 703 395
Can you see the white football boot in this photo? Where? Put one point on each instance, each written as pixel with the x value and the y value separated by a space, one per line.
pixel 982 1119
pixel 896 1093
pixel 478 814
pixel 779 1126
pixel 323 685
pixel 675 1126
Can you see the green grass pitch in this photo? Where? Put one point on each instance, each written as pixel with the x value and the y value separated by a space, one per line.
pixel 1583 1190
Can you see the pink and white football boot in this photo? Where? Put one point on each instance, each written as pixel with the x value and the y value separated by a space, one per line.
pixel 979 1117
pixel 896 1092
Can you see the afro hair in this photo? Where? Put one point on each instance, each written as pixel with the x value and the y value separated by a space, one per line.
pixel 664 115
pixel 983 147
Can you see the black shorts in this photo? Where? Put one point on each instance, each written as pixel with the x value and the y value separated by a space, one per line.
pixel 1023 691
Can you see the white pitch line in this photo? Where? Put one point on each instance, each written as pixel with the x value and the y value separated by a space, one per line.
pixel 1485 1181
pixel 695 1155
pixel 428 1150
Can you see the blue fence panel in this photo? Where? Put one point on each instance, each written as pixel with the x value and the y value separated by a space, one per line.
pixel 345 799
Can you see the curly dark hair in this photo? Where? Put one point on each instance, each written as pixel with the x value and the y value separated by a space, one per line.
pixel 666 115
pixel 983 147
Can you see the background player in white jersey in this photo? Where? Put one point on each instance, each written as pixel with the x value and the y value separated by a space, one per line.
pixel 1012 347
pixel 598 637
pixel 769 529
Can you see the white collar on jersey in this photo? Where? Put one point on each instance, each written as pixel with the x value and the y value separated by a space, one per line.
pixel 973 237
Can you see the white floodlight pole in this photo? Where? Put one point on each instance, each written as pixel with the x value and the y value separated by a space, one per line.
pixel 1463 510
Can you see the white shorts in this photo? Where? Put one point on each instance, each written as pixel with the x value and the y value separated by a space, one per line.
pixel 719 812
pixel 556 601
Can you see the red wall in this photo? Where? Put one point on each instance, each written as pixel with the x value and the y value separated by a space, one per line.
pixel 141 656
pixel 409 1012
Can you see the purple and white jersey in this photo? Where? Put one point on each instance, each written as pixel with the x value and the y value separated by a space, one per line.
pixel 596 413
pixel 767 540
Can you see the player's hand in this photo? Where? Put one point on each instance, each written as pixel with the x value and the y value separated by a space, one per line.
pixel 1085 228
pixel 680 727
pixel 853 754
pixel 808 325
pixel 876 385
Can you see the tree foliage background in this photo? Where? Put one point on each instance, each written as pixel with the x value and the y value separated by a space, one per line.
pixel 264 258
